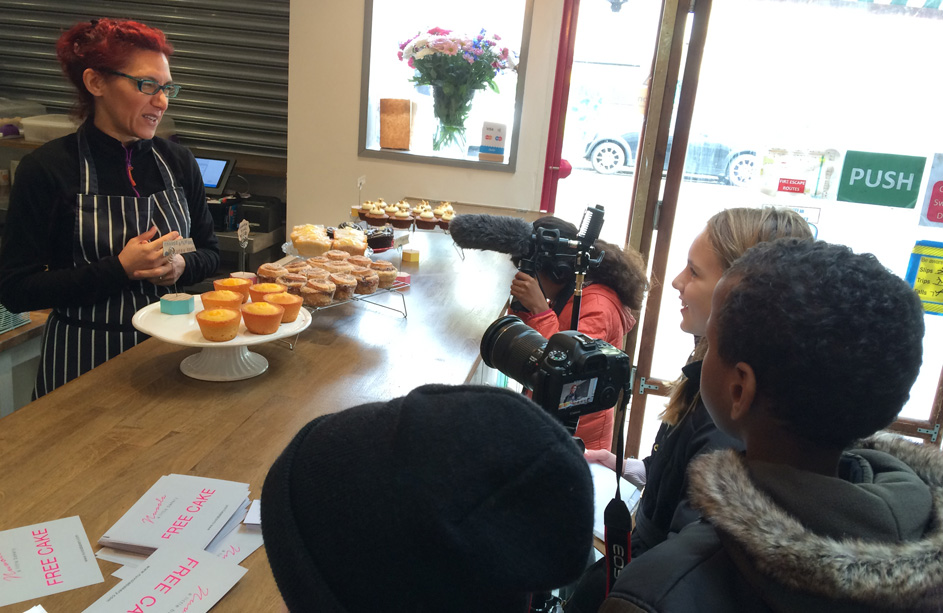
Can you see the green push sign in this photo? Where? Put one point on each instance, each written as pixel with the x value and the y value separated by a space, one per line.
pixel 881 178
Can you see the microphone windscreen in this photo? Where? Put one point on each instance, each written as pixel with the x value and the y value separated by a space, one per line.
pixel 500 233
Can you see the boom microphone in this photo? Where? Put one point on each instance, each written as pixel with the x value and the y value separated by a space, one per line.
pixel 500 233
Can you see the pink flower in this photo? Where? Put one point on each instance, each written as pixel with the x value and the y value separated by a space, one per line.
pixel 496 37
pixel 411 63
pixel 439 32
pixel 399 54
pixel 445 45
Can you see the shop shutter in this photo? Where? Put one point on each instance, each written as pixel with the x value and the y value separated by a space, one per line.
pixel 230 57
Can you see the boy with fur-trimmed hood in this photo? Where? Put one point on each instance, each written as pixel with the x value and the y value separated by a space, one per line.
pixel 811 347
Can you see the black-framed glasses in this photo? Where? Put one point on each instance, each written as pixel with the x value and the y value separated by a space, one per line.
pixel 150 87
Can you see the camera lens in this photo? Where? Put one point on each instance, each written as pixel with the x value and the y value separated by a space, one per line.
pixel 508 346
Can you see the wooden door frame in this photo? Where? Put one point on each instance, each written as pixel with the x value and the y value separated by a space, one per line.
pixel 647 212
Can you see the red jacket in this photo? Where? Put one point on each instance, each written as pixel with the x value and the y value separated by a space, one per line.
pixel 602 316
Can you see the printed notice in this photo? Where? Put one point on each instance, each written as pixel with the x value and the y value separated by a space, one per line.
pixel 44 559
pixel 932 213
pixel 174 579
pixel 925 275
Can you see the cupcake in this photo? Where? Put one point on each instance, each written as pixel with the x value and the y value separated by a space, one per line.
pixel 386 273
pixel 359 260
pixel 318 293
pixel 345 286
pixel 317 261
pixel 446 220
pixel 221 299
pixel 377 216
pixel 336 255
pixel 262 317
pixel 401 219
pixel 290 302
pixel 317 274
pixel 337 267
pixel 367 281
pixel 257 292
pixel 219 325
pixel 234 284
pixel 426 221
pixel 267 273
pixel 251 277
pixel 365 208
pixel 296 266
pixel 293 282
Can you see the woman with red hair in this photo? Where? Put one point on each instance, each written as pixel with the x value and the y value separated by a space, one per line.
pixel 89 212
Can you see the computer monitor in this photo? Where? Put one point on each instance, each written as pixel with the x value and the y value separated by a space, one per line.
pixel 215 173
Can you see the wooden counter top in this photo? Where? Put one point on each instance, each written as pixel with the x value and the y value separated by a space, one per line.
pixel 21 334
pixel 94 446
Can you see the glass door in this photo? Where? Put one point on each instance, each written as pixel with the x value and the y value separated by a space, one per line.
pixel 827 107
pixel 612 44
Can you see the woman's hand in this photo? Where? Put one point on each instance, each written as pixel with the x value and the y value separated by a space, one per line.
pixel 527 291
pixel 633 470
pixel 143 258
pixel 175 267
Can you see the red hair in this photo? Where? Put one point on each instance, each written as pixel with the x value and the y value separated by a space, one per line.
pixel 103 44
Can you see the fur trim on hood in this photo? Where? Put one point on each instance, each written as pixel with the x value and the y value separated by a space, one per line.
pixel 902 574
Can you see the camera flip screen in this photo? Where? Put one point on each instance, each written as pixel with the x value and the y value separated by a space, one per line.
pixel 577 393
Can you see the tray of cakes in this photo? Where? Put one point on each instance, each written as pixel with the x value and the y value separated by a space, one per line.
pixel 332 278
pixel 403 215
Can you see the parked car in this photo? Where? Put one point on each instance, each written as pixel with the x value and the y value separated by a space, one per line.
pixel 609 153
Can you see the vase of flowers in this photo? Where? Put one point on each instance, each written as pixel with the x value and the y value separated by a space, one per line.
pixel 455 66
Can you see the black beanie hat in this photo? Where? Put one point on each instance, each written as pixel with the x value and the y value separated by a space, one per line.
pixel 452 498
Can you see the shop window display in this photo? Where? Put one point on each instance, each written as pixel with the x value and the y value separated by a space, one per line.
pixel 443 82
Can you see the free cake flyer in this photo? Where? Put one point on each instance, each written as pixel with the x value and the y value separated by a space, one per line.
pixel 45 558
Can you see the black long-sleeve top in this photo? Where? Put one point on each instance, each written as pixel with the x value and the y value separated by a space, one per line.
pixel 665 509
pixel 36 256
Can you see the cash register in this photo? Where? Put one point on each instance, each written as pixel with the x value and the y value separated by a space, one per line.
pixel 264 213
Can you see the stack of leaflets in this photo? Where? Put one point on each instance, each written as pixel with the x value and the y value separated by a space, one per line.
pixel 179 509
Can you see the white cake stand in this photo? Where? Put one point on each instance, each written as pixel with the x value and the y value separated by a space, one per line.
pixel 218 361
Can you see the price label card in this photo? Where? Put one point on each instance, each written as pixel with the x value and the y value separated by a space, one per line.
pixel 243 232
pixel 178 247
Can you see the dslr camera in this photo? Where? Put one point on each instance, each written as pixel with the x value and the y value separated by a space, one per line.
pixel 570 374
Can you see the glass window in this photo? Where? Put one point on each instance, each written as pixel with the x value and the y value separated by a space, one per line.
pixel 410 128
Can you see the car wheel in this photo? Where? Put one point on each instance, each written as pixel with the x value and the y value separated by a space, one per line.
pixel 607 158
pixel 740 171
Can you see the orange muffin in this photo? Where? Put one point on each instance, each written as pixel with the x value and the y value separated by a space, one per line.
pixel 258 291
pixel 290 302
pixel 262 317
pixel 221 299
pixel 345 286
pixel 318 293
pixel 219 324
pixel 234 284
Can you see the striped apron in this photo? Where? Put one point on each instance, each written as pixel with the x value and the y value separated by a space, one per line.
pixel 77 339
